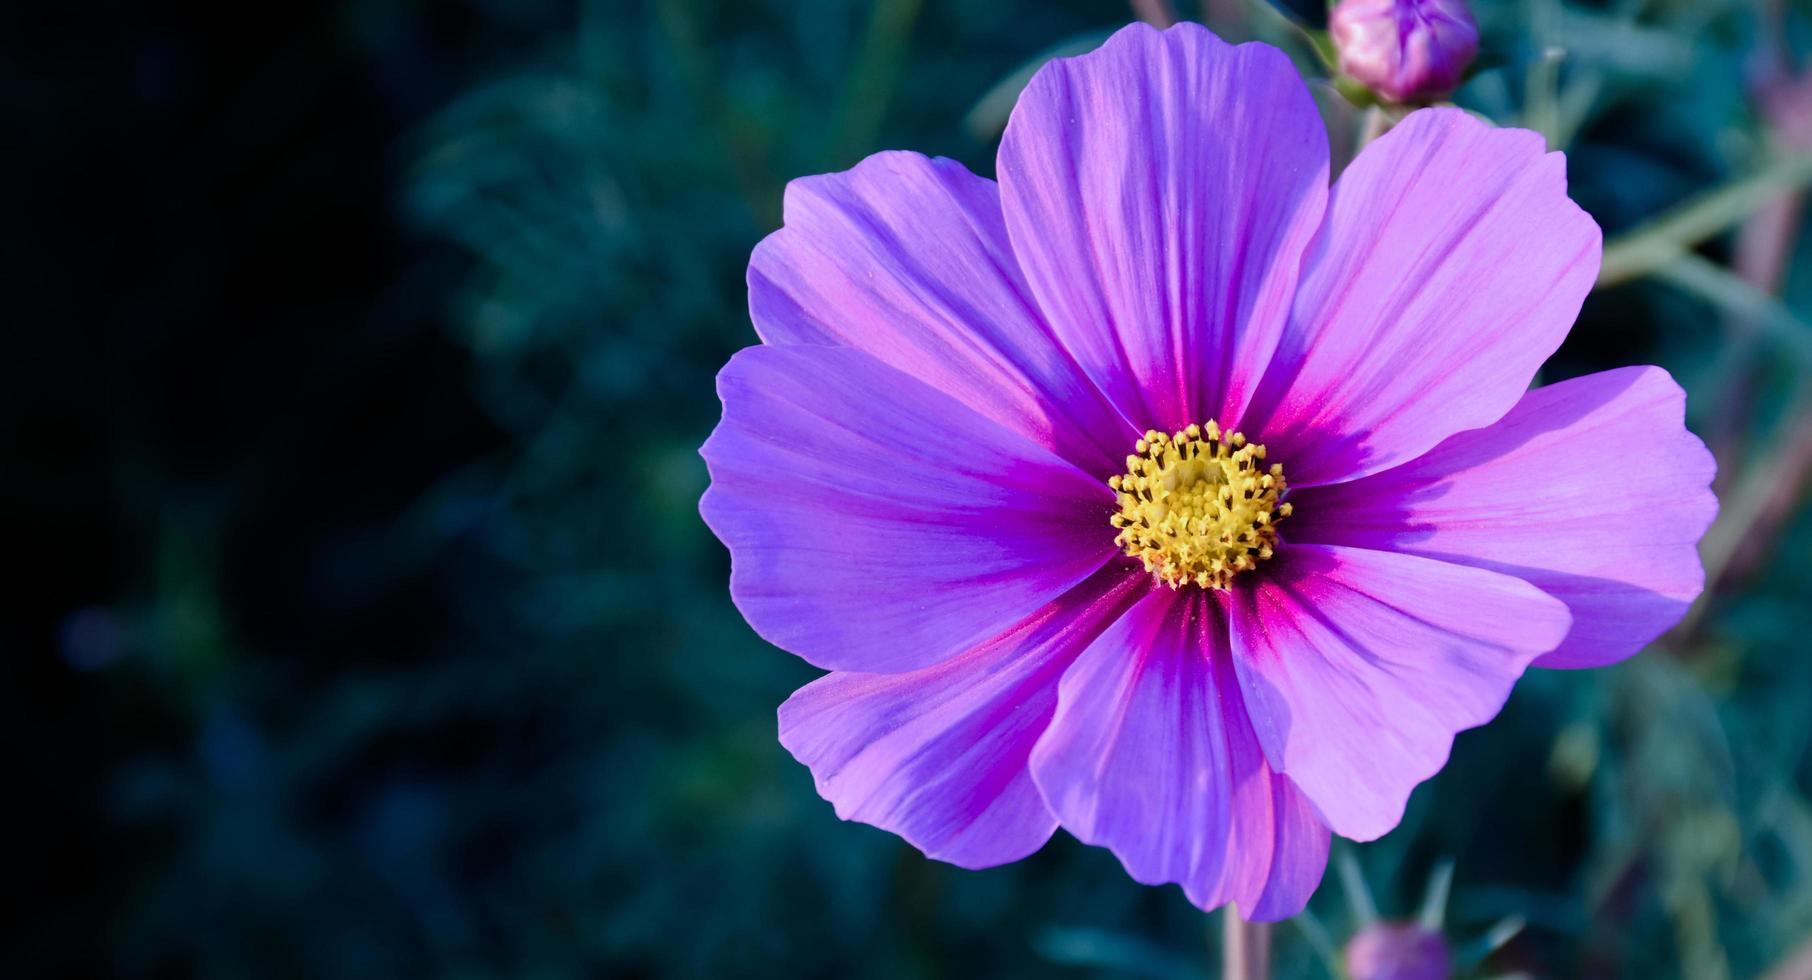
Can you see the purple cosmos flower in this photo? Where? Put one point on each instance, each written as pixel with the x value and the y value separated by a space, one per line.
pixel 1167 495
pixel 1405 50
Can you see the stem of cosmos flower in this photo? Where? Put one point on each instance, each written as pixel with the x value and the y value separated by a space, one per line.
pixel 1157 13
pixel 1245 947
pixel 1375 124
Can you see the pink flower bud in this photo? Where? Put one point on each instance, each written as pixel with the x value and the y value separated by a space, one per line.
pixel 1398 951
pixel 1405 50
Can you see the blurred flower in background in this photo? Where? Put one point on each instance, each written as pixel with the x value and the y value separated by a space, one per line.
pixel 1398 951
pixel 1405 50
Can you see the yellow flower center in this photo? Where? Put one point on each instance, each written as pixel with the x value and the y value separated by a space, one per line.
pixel 1198 506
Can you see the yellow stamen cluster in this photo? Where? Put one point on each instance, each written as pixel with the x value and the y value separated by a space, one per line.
pixel 1198 506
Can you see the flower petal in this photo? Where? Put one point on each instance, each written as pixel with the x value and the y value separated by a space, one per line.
pixel 876 524
pixel 1159 193
pixel 1451 265
pixel 1591 489
pixel 1151 755
pixel 1360 666
pixel 907 258
pixel 938 755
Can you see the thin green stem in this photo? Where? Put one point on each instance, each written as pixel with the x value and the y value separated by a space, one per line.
pixel 1658 242
pixel 1376 123
pixel 1245 947
pixel 1157 13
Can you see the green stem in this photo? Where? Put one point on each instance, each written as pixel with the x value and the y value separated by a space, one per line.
pixel 1157 13
pixel 1375 124
pixel 1245 947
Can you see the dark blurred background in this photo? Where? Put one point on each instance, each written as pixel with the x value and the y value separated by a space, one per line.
pixel 356 356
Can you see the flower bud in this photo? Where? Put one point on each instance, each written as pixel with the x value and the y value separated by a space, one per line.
pixel 1405 50
pixel 1398 951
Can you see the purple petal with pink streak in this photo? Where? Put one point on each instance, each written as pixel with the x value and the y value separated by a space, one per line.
pixel 1451 264
pixel 1151 755
pixel 907 258
pixel 876 524
pixel 1160 192
pixel 1591 489
pixel 939 755
pixel 1358 668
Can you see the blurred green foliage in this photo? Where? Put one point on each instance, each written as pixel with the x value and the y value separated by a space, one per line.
pixel 379 635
